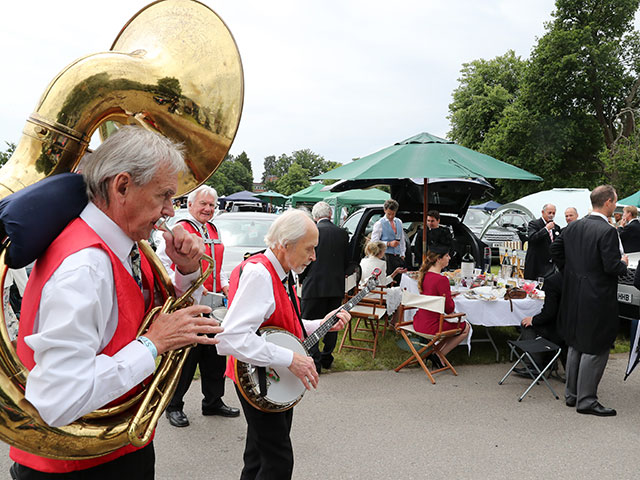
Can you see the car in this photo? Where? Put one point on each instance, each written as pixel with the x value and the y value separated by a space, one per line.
pixel 241 233
pixel 507 229
pixel 628 295
pixel 451 197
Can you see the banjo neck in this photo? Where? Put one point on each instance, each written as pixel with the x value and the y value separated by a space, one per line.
pixel 323 329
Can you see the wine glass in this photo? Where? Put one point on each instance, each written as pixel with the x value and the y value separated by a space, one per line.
pixel 540 282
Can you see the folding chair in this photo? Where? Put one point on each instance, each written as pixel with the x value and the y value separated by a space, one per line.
pixel 433 304
pixel 366 317
pixel 527 347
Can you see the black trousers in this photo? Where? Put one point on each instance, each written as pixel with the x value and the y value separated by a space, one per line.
pixel 393 262
pixel 314 308
pixel 139 465
pixel 212 367
pixel 268 453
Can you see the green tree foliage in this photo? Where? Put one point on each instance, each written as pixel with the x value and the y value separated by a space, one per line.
pixel 294 180
pixel 310 162
pixel 230 177
pixel 6 155
pixel 575 96
pixel 243 158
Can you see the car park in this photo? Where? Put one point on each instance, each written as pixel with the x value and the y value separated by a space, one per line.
pixel 451 197
pixel 508 229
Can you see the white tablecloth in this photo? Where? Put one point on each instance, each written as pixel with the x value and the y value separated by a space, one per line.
pixel 486 313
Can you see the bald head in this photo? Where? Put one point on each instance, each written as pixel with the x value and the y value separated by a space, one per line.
pixel 570 215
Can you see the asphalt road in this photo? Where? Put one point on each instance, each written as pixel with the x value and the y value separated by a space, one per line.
pixel 387 425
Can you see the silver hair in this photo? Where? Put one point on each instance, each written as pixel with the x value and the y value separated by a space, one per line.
pixel 547 205
pixel 321 210
pixel 134 150
pixel 288 228
pixel 202 190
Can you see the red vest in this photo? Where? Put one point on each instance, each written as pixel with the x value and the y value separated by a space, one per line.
pixel 284 315
pixel 218 249
pixel 131 310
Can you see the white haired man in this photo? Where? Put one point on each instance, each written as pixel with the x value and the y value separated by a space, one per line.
pixel 542 233
pixel 202 204
pixel 87 297
pixel 323 280
pixel 258 298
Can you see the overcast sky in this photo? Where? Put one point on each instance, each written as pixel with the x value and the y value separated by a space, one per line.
pixel 342 78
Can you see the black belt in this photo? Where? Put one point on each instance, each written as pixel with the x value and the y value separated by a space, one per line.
pixel 394 254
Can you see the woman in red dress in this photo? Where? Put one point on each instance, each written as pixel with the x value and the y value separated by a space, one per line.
pixel 432 282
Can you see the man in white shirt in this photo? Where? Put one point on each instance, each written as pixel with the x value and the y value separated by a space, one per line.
pixel 258 298
pixel 390 231
pixel 202 204
pixel 87 295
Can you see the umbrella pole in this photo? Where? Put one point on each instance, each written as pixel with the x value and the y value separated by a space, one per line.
pixel 425 207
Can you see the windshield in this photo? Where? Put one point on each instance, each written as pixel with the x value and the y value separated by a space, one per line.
pixel 243 232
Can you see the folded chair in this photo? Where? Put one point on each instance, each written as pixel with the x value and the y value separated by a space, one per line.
pixel 370 317
pixel 431 342
pixel 524 348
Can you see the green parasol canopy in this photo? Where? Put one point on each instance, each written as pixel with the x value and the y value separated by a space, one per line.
pixel 426 156
pixel 312 194
pixel 631 200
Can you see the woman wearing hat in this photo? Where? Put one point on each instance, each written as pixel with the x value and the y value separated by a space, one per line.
pixel 432 282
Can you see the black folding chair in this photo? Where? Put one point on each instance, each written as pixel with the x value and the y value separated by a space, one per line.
pixel 523 349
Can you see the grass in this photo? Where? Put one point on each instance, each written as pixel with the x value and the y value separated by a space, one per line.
pixel 392 351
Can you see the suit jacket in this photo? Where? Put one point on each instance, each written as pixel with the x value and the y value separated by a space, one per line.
pixel 325 276
pixel 545 322
pixel 630 236
pixel 538 260
pixel 435 236
pixel 589 304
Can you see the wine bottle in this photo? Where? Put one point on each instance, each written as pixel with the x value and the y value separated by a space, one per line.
pixel 468 264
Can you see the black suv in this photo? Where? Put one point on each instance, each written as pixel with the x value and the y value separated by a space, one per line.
pixel 451 197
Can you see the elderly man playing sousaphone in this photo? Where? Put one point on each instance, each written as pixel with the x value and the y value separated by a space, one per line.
pixel 88 294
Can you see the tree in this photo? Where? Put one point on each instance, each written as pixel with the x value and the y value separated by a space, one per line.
pixel 294 180
pixel 309 161
pixel 486 88
pixel 5 156
pixel 230 177
pixel 243 158
pixel 576 96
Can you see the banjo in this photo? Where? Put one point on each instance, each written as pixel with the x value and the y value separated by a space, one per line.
pixel 275 390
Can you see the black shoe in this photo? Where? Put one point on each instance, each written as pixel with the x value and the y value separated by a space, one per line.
pixel 599 410
pixel 177 418
pixel 570 402
pixel 435 361
pixel 223 410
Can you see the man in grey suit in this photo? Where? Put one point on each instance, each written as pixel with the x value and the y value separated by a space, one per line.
pixel 323 280
pixel 591 252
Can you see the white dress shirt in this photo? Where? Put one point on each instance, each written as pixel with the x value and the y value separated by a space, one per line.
pixel 376 234
pixel 166 261
pixel 253 304
pixel 77 318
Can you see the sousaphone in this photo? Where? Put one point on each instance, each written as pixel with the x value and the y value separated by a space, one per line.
pixel 175 69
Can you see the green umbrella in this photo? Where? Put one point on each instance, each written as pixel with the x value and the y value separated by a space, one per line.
pixel 272 197
pixel 312 194
pixel 355 197
pixel 426 156
pixel 631 200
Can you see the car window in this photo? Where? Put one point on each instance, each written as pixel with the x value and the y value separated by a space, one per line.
pixel 374 218
pixel 243 232
pixel 475 217
pixel 351 223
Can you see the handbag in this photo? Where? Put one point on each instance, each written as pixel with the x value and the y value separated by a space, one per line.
pixel 514 294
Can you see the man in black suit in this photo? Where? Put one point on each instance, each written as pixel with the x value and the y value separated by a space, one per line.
pixel 436 235
pixel 323 280
pixel 542 232
pixel 592 257
pixel 629 229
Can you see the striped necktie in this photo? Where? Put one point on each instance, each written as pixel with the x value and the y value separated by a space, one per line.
pixel 136 270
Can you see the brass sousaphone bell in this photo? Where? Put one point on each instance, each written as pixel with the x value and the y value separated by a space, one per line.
pixel 175 69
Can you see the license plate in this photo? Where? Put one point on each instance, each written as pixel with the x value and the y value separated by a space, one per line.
pixel 625 297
